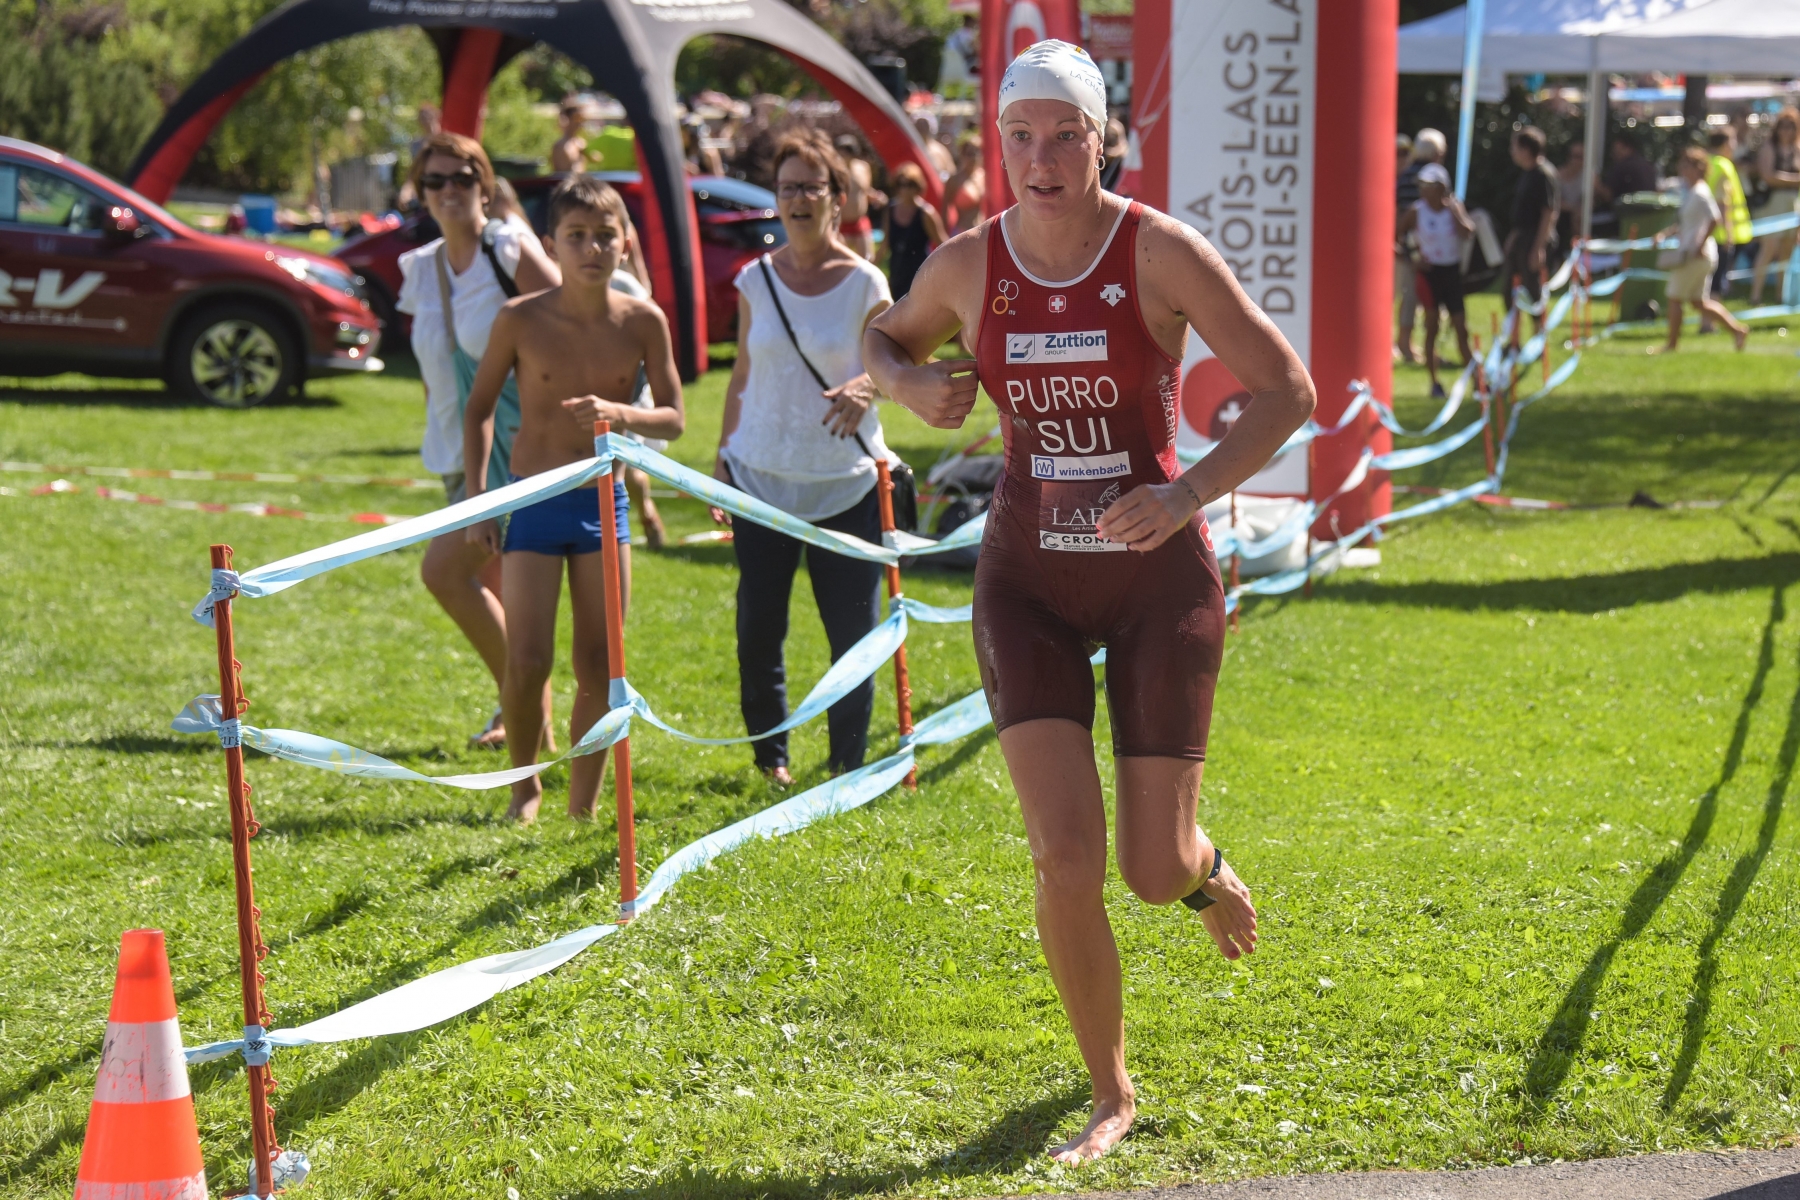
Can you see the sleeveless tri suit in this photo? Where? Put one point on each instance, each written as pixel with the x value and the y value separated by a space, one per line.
pixel 1088 403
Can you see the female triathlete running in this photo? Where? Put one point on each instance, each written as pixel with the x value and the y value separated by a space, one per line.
pixel 1082 301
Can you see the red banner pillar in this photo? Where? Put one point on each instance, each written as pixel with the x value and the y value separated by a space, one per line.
pixel 1353 238
pixel 466 83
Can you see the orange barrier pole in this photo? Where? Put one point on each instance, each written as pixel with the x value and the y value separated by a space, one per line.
pixel 902 692
pixel 1624 266
pixel 1236 554
pixel 250 943
pixel 1544 298
pixel 615 668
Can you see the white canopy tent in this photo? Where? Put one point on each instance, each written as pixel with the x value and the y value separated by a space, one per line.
pixel 1594 37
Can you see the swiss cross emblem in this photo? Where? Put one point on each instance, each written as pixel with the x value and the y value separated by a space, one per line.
pixel 1112 293
pixel 1059 304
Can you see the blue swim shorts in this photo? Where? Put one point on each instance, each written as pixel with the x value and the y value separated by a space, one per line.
pixel 567 524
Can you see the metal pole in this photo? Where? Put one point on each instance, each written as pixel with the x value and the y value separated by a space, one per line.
pixel 1593 136
pixel 902 690
pixel 250 943
pixel 1474 18
pixel 615 668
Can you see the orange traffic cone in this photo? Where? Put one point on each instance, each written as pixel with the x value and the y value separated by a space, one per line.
pixel 142 1142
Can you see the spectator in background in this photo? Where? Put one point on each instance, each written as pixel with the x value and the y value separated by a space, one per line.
pixel 807 451
pixel 1733 228
pixel 569 152
pixel 702 159
pixel 1406 190
pixel 1441 225
pixel 966 41
pixel 1411 156
pixel 936 151
pixel 453 288
pixel 1627 170
pixel 506 207
pixel 1778 170
pixel 1535 201
pixel 965 191
pixel 431 123
pixel 1690 263
pixel 856 228
pixel 1568 190
pixel 911 229
pixel 1113 148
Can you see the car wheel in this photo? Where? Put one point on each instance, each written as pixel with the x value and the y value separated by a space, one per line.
pixel 234 356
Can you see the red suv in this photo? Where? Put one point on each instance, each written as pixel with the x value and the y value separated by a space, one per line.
pixel 95 278
pixel 737 223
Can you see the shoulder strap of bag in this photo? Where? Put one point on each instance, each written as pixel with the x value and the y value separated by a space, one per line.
pixel 769 282
pixel 489 233
pixel 441 259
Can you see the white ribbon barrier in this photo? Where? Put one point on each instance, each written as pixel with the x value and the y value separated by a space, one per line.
pixel 285 573
pixel 455 990
pixel 1761 227
pixel 310 750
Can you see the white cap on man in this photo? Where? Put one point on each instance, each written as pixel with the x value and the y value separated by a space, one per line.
pixel 1053 70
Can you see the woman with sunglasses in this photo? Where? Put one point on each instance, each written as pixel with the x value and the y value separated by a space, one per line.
pixel 800 432
pixel 460 281
pixel 911 229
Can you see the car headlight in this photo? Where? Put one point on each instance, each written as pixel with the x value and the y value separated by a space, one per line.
pixel 305 270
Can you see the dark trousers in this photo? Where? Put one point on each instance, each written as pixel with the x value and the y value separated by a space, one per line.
pixel 845 591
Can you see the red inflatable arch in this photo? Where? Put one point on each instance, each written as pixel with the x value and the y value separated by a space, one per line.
pixel 629 46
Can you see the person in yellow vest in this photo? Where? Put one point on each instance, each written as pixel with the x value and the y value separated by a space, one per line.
pixel 1733 229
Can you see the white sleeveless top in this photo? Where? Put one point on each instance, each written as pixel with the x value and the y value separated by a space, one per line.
pixel 781 452
pixel 1436 229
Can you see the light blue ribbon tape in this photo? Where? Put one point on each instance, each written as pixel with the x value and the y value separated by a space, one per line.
pixel 951 722
pixel 1415 456
pixel 931 614
pixel 848 791
pixel 846 674
pixel 285 573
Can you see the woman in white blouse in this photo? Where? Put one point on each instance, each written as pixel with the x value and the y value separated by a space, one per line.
pixel 804 448
pixel 459 282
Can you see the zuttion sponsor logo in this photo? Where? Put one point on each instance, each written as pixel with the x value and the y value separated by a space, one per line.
pixel 1086 346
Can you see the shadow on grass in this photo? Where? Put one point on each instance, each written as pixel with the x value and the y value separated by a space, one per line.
pixel 1562 1039
pixel 1015 1138
pixel 1731 898
pixel 1580 593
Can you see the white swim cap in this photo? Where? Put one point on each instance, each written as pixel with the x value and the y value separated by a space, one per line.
pixel 1056 70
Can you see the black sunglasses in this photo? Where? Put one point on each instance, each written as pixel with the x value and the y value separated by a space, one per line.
pixel 462 179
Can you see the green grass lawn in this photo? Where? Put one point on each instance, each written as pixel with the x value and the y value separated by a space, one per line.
pixel 1512 803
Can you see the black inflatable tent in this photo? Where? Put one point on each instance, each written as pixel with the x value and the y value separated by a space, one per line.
pixel 629 46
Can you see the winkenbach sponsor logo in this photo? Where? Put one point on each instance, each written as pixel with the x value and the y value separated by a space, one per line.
pixel 1097 466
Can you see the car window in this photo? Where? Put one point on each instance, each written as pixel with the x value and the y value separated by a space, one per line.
pixel 39 197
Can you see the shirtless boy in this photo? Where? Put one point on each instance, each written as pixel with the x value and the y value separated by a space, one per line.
pixel 575 350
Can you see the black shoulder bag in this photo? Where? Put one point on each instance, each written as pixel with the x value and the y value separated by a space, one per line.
pixel 488 234
pixel 906 488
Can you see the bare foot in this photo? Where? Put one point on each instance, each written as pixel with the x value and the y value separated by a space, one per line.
pixel 654 535
pixel 1740 336
pixel 779 776
pixel 1659 350
pixel 1232 919
pixel 1109 1124
pixel 493 737
pixel 527 794
pixel 581 812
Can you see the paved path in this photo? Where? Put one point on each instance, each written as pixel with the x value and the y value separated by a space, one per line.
pixel 1750 1175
